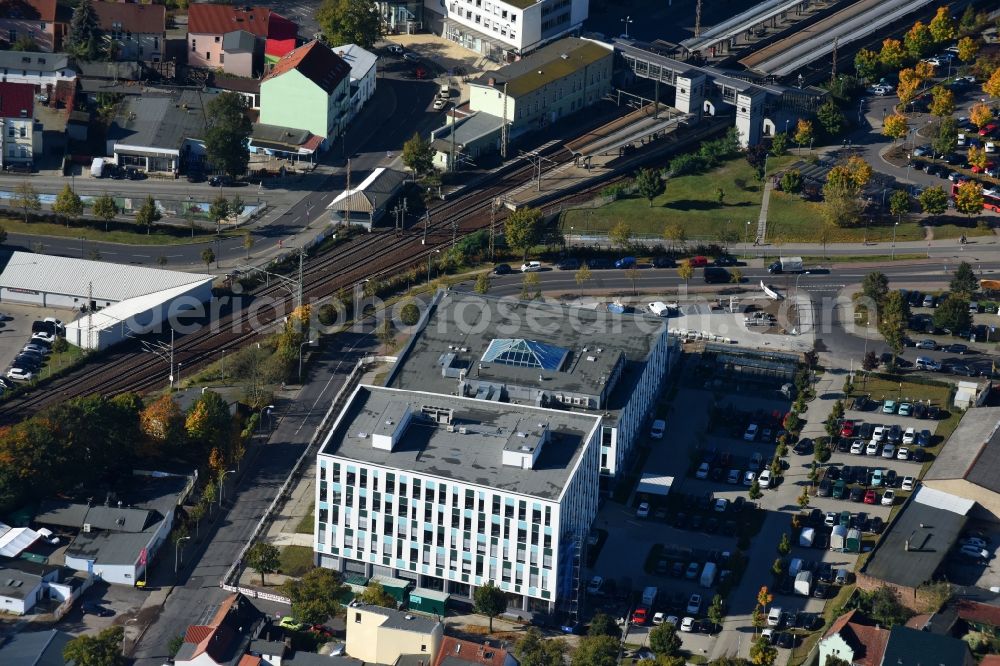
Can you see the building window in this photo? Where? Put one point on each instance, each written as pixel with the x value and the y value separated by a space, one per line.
pixel 194 46
pixel 357 618
pixel 217 39
pixel 208 55
pixel 222 58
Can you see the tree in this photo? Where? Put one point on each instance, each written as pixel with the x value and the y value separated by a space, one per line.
pixel 918 40
pixel 596 651
pixel 227 133
pixel 762 653
pixel 386 335
pixel 532 649
pixel 779 144
pixel 81 40
pixel 736 276
pixel 105 208
pixel 219 210
pixel 909 83
pixel 649 184
pixel 858 170
pixel 26 198
pixel 482 283
pixel 992 85
pixel 664 641
pixel 841 202
pixel 754 492
pixel 894 316
pixel 980 115
pixel 263 558
pixel 977 157
pixel 946 139
pixel 675 233
pixel 208 256
pixel 968 47
pixel 756 157
pixel 247 243
pixel 315 596
pixel 784 545
pixel 803 499
pixel 969 22
pixel 803 133
pixel 489 600
pixel 685 271
pixel 942 102
pixel 791 181
pixel 942 27
pixel 582 275
pixel 530 286
pixel 104 649
pixel 603 624
pixel 933 200
pixel 964 280
pixel 899 204
pixel 953 313
pixel 418 155
pixel 886 608
pixel 969 199
pixel 866 64
pixel 834 660
pixel 375 595
pixel 892 54
pixel 895 126
pixel 830 117
pixel 523 229
pixel 717 611
pixel 67 204
pixel 147 214
pixel 349 22
pixel 869 362
pixel 162 425
pixel 620 235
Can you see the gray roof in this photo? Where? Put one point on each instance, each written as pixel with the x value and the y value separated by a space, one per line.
pixel 358 58
pixel 238 40
pixel 371 193
pixel 75 515
pixel 973 450
pixel 912 647
pixel 161 119
pixel 34 62
pixel 262 647
pixel 467 130
pixel 302 658
pixel 473 456
pixel 16 583
pixel 110 547
pixel 65 275
pixel 918 540
pixel 402 620
pixel 35 648
pixel 460 327
pixel 62 513
pixel 276 134
pixel 124 70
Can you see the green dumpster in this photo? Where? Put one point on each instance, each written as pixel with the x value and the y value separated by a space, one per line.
pixel 427 601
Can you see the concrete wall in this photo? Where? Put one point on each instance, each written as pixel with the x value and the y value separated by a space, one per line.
pixel 22 606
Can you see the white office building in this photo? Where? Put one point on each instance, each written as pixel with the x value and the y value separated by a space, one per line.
pixel 504 31
pixel 452 492
pixel 547 355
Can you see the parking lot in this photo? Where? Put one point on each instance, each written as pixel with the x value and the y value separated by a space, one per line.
pixel 15 328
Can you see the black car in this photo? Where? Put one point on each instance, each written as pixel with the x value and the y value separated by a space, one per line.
pixel 957 349
pixel 712 525
pixel 918 455
pixel 876 525
pixel 844 445
pixel 502 269
pixel 664 262
pixel 833 473
pixel 725 260
pixel 895 434
pixel 863 403
pixel 803 447
pixel 28 361
pixel 964 370
pixel 134 174
pixel 822 591
pixel 825 572
pixel 568 264
pixel 599 264
pixel 716 275
pixel 934 412
pixel 94 608
pixel 696 522
pixel 824 488
pixel 890 479
pixel 915 298
pixel 786 640
pixel 220 181
pixel 857 494
pixel 920 410
pixel 865 432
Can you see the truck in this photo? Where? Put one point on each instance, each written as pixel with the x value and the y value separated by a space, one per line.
pixel 708 574
pixel 806 537
pixel 649 596
pixel 803 583
pixel 838 538
pixel 97 167
pixel 795 566
pixel 786 265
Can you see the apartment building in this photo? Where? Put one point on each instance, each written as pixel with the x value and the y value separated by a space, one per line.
pixel 21 136
pixel 32 22
pixel 451 492
pixel 138 31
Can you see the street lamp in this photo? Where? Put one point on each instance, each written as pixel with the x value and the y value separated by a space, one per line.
pixel 892 253
pixel 429 255
pixel 177 547
pixel 626 21
pixel 222 484
pixel 307 342
pixel 746 241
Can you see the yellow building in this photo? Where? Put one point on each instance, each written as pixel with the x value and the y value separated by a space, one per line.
pixel 378 635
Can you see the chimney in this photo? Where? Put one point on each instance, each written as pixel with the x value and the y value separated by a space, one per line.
pixel 492 81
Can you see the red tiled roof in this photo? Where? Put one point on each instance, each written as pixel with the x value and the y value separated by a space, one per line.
pixel 990 660
pixel 219 19
pixel 196 633
pixel 316 62
pixel 36 10
pixel 978 612
pixel 17 97
pixel 249 660
pixel 213 638
pixel 869 641
pixel 224 609
pixel 455 649
pixel 279 48
pixel 133 18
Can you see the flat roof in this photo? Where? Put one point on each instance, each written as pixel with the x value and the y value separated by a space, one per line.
pixel 549 63
pixel 466 130
pixel 471 449
pixel 918 540
pixel 160 119
pixel 460 328
pixel 38 648
pixel 402 620
pixel 973 450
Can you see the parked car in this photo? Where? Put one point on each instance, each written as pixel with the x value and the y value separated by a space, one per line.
pixel 94 608
pixel 569 264
pixel 625 262
pixel 888 497
pixel 502 269
pixel 889 407
pixel 694 604
pixel 531 266
pixel 643 510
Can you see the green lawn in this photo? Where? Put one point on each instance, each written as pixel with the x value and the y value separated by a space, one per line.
pixel 307 523
pixel 956 230
pixel 296 560
pixel 793 220
pixel 18 226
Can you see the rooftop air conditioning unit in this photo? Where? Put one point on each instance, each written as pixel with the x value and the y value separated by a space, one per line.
pixel 86 527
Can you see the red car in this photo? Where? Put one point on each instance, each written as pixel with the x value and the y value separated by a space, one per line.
pixel 698 262
pixel 989 129
pixel 989 166
pixel 639 616
pixel 847 430
pixel 871 497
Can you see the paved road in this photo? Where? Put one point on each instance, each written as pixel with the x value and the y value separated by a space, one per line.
pixel 298 419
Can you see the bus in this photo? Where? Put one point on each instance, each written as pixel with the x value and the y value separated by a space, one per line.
pixel 991 198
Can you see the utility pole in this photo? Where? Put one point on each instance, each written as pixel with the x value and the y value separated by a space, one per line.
pixel 298 295
pixel 454 232
pixel 503 127
pixel 454 159
pixel 697 19
pixel 427 219
pixel 493 230
pixel 833 67
pixel 347 193
pixel 90 316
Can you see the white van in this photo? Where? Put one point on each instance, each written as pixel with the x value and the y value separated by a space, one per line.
pixel 97 167
pixel 657 429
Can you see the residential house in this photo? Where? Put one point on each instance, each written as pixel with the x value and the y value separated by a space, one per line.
pixel 464 139
pixel 912 647
pixel 968 463
pixel 22 136
pixel 854 638
pixel 37 21
pixel 35 648
pixel 160 131
pixel 232 38
pixel 457 652
pixel 23 584
pixel 42 70
pixel 367 203
pixel 378 635
pixel 503 30
pixel 560 79
pixel 363 65
pixel 222 634
pixel 282 35
pixel 138 30
pixel 980 616
pixel 248 88
pixel 308 89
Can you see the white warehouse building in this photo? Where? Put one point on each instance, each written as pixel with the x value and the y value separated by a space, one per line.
pixel 121 299
pixel 451 493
